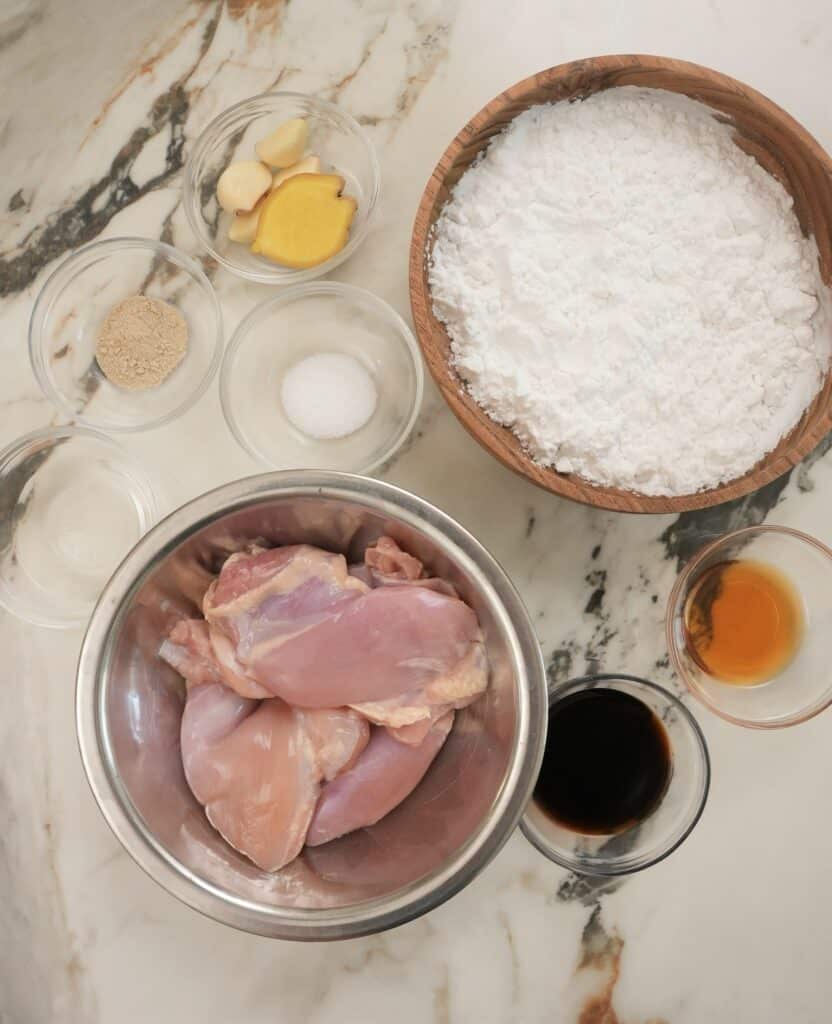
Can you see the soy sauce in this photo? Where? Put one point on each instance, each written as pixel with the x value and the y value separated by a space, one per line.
pixel 607 762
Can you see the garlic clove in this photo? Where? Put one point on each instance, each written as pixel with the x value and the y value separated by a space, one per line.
pixel 309 165
pixel 285 145
pixel 243 227
pixel 242 184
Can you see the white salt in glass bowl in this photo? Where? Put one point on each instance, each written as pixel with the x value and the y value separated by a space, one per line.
pixel 74 503
pixel 336 138
pixel 310 319
pixel 71 307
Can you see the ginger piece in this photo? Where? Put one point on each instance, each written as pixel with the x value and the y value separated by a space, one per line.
pixel 243 226
pixel 241 184
pixel 309 165
pixel 305 221
pixel 284 146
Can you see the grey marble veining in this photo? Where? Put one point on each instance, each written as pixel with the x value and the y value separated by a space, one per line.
pixel 101 102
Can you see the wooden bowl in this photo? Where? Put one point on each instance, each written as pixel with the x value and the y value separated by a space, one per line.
pixel 775 139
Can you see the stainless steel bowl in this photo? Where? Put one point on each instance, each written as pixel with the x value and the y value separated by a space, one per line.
pixel 129 706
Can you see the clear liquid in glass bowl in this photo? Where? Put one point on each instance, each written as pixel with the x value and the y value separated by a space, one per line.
pixel 74 504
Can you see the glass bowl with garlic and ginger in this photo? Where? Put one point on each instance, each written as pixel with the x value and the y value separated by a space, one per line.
pixel 281 188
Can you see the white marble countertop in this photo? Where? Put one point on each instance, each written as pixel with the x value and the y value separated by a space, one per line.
pixel 100 102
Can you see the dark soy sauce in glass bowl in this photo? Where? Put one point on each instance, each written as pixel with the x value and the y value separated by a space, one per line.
pixel 607 763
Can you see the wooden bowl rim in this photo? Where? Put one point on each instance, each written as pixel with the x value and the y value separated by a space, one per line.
pixel 463 406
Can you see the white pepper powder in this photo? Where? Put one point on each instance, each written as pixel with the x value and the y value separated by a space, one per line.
pixel 141 342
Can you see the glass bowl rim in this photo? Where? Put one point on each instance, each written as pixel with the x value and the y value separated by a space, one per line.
pixel 674 607
pixel 205 142
pixel 66 272
pixel 616 867
pixel 307 290
pixel 145 494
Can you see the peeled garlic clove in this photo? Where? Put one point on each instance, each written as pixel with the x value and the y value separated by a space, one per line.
pixel 284 146
pixel 243 227
pixel 241 184
pixel 309 165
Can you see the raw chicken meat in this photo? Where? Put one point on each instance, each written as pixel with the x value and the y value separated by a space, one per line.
pixel 253 769
pixel 257 768
pixel 387 559
pixel 386 773
pixel 338 735
pixel 410 715
pixel 202 655
pixel 385 564
pixel 384 644
pixel 233 673
pixel 188 650
pixel 298 653
pixel 268 596
pixel 311 633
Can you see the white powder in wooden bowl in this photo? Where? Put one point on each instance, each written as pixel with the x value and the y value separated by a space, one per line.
pixel 631 293
pixel 141 342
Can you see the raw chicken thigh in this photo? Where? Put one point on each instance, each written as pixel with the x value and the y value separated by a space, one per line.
pixel 387 560
pixel 421 706
pixel 201 655
pixel 261 600
pixel 387 565
pixel 257 767
pixel 233 673
pixel 188 650
pixel 319 694
pixel 380 779
pixel 312 633
pixel 384 644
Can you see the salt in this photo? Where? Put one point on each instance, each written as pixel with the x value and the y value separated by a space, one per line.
pixel 328 395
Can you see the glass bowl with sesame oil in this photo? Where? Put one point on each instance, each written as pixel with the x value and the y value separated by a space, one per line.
pixel 748 626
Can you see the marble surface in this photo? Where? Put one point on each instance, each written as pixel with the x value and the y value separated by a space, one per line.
pixel 101 102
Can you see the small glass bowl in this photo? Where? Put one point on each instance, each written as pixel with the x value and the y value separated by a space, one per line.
pixel 74 302
pixel 74 503
pixel 662 831
pixel 804 687
pixel 324 316
pixel 336 138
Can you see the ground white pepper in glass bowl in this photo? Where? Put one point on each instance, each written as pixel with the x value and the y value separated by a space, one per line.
pixel 114 373
pixel 141 342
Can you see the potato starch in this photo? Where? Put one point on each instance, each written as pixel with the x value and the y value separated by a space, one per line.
pixel 631 293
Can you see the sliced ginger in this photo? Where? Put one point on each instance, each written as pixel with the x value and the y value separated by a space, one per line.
pixel 285 145
pixel 309 165
pixel 305 221
pixel 242 184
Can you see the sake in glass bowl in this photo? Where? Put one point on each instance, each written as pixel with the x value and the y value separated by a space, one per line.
pixel 71 307
pixel 341 144
pixel 671 821
pixel 311 319
pixel 803 687
pixel 74 504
